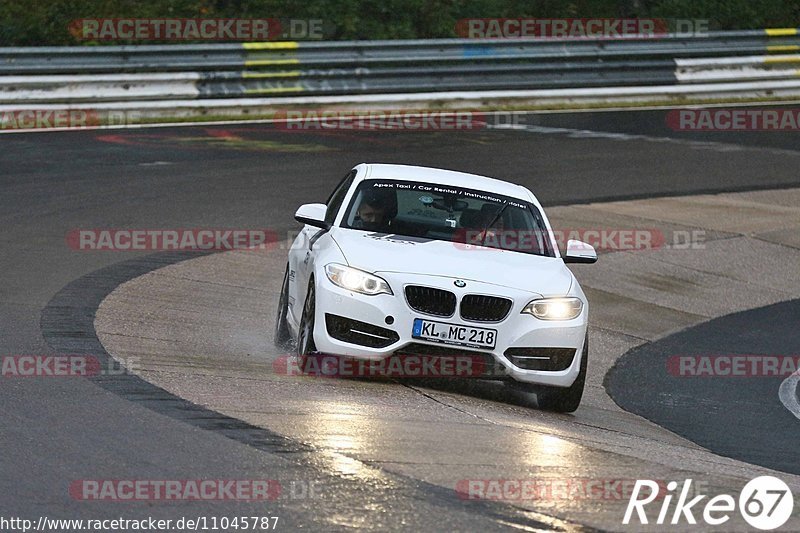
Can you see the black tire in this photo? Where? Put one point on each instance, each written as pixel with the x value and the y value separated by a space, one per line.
pixel 565 399
pixel 283 337
pixel 305 335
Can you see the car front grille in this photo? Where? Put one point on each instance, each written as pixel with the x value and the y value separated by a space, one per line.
pixel 482 308
pixel 361 333
pixel 547 359
pixel 437 302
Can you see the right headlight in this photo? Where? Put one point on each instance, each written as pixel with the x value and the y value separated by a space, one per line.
pixel 554 308
pixel 356 280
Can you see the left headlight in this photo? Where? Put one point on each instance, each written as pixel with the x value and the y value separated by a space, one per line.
pixel 554 308
pixel 356 280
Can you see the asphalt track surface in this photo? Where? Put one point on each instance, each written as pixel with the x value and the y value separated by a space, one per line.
pixel 55 431
pixel 739 417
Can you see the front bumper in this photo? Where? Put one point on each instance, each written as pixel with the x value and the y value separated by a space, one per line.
pixel 517 330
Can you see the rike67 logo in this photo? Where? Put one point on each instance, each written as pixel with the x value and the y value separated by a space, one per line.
pixel 765 503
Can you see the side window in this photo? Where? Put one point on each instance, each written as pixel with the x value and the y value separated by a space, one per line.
pixel 337 197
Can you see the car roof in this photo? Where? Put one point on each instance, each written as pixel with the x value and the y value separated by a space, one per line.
pixel 444 177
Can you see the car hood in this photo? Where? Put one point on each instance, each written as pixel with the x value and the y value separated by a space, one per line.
pixel 380 252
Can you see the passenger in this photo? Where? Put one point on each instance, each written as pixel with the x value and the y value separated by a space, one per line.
pixel 376 211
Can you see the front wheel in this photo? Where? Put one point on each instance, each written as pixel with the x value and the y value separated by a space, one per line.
pixel 565 399
pixel 305 336
pixel 282 336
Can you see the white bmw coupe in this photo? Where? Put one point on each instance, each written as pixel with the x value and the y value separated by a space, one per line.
pixel 415 260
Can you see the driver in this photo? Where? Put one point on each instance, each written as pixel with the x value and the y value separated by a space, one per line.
pixel 492 233
pixel 373 211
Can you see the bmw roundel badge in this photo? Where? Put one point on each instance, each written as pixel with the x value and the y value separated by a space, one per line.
pixel 460 283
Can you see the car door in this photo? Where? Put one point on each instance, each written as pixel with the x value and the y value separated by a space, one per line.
pixel 309 244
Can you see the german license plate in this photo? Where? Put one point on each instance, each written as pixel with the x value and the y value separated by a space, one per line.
pixel 458 335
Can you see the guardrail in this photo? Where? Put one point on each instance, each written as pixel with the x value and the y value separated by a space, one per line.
pixel 71 75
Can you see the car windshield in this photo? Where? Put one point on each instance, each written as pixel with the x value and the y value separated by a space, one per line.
pixel 448 213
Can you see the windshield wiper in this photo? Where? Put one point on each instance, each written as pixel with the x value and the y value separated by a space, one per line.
pixel 492 223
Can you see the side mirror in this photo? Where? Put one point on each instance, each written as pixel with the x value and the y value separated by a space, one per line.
pixel 313 215
pixel 579 252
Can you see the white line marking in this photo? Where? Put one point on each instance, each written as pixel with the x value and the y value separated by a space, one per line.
pixel 357 114
pixel 594 134
pixel 788 393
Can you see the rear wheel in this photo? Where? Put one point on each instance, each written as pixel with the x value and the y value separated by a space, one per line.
pixel 305 336
pixel 282 336
pixel 565 399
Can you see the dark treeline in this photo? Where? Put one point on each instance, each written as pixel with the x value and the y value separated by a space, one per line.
pixel 40 22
